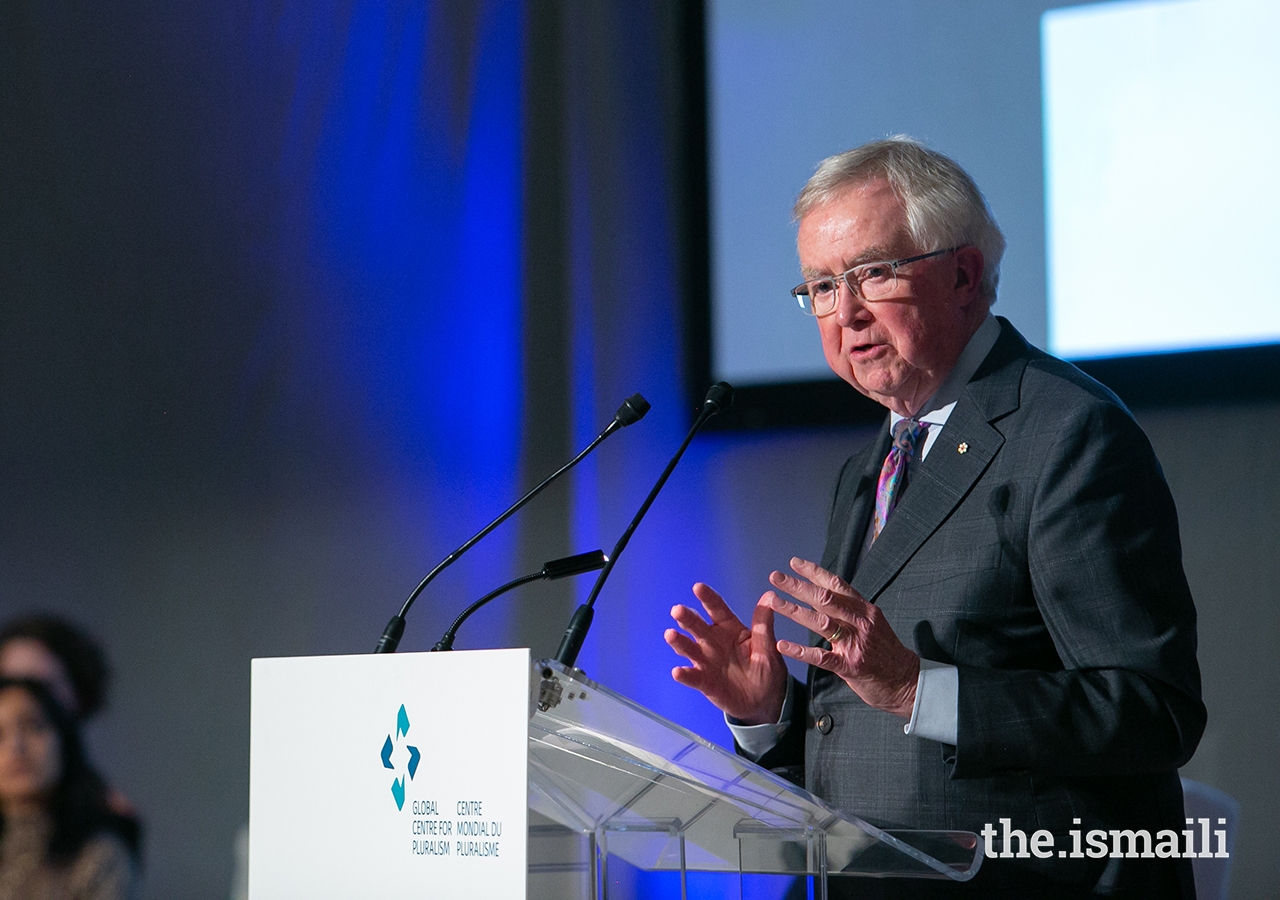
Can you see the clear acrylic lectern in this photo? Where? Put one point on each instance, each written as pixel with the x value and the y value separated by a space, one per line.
pixel 610 779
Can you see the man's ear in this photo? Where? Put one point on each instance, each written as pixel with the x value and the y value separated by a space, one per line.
pixel 969 269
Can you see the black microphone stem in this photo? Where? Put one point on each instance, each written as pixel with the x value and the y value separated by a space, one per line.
pixel 632 410
pixel 718 398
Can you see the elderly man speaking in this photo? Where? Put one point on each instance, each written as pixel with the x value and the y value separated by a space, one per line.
pixel 1002 626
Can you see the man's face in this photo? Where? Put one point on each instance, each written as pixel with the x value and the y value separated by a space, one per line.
pixel 899 350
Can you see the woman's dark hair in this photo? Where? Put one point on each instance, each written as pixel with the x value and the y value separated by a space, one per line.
pixel 78 805
pixel 79 654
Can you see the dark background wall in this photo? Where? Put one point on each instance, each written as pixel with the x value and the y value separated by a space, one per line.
pixel 294 297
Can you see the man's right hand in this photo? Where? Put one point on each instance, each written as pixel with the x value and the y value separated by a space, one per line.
pixel 738 669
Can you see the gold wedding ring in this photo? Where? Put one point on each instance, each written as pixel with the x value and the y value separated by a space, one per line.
pixel 838 634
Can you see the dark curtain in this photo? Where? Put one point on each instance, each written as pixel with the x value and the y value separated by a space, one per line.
pixel 260 353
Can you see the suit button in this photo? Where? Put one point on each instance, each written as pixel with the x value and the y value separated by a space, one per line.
pixel 824 723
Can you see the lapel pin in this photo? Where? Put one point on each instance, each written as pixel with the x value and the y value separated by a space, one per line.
pixel 963 448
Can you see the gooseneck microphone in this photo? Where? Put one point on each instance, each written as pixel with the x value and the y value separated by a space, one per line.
pixel 719 398
pixel 631 411
pixel 557 568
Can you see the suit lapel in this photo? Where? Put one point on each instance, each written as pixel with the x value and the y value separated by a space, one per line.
pixel 962 452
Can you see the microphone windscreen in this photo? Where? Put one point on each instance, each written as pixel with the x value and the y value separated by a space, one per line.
pixel 719 397
pixel 631 411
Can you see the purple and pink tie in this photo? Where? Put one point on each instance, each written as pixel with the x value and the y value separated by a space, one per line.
pixel 907 435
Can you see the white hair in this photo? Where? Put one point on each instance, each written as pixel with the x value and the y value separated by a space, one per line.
pixel 944 207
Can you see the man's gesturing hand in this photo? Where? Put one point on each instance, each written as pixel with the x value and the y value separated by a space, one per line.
pixel 739 670
pixel 864 652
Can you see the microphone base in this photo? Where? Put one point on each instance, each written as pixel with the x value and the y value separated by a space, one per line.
pixel 574 635
pixel 391 635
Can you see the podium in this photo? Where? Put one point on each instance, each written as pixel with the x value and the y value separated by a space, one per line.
pixel 608 783
pixel 630 785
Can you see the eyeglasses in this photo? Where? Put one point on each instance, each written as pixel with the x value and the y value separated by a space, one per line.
pixel 868 282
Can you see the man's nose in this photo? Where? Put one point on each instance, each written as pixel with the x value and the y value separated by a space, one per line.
pixel 850 307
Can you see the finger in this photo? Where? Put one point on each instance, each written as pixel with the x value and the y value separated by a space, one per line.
pixel 688 677
pixel 803 590
pixel 685 646
pixel 818 622
pixel 697 679
pixel 824 578
pixel 826 599
pixel 717 610
pixel 687 616
pixel 691 622
pixel 762 622
pixel 813 656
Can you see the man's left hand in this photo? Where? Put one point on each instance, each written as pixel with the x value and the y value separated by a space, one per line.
pixel 864 652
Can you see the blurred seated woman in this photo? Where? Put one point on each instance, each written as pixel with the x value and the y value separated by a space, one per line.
pixel 70 663
pixel 48 648
pixel 59 840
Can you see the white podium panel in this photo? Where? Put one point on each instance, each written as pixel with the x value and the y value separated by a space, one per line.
pixel 389 776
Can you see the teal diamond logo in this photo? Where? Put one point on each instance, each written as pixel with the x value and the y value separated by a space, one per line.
pixel 389 752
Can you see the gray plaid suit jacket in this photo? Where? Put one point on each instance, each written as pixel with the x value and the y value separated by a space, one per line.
pixel 1036 549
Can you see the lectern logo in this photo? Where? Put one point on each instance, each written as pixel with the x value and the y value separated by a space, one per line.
pixel 389 748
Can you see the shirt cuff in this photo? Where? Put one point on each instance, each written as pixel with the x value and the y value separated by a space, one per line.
pixel 937 708
pixel 757 740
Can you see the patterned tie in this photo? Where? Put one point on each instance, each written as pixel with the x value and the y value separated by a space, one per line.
pixel 907 434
